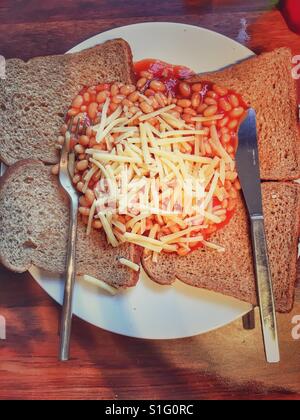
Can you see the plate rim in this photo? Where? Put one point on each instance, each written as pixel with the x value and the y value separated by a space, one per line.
pixel 163 23
pixel 148 338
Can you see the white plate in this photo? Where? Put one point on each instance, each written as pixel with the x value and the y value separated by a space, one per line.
pixel 149 310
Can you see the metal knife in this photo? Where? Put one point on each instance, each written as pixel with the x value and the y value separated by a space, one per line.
pixel 249 176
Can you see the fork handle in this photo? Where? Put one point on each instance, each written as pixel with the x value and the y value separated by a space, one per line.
pixel 67 311
pixel 265 289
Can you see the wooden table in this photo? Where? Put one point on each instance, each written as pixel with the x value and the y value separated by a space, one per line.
pixel 228 363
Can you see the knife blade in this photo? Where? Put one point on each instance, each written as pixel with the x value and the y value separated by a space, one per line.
pixel 247 159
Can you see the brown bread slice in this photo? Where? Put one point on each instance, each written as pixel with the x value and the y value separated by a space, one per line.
pixel 36 95
pixel 231 273
pixel 34 229
pixel 266 84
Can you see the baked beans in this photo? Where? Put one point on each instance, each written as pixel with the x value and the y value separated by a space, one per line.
pixel 214 105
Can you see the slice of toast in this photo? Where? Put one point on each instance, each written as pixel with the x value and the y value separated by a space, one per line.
pixel 266 83
pixel 34 219
pixel 36 95
pixel 231 273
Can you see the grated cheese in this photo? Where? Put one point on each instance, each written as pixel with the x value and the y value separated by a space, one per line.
pixel 129 264
pixel 211 192
pixel 149 241
pixel 178 133
pixel 145 98
pixel 91 217
pixel 136 116
pixel 191 240
pixel 208 119
pixel 217 144
pixel 99 283
pixel 104 157
pixel 212 217
pixel 156 113
pixel 193 158
pixel 174 169
pixel 178 221
pixel 119 236
pixel 124 130
pixel 214 246
pixel 136 149
pixel 145 148
pixel 105 172
pixel 103 133
pixel 133 221
pixel 173 236
pixel 108 230
pixel 222 171
pixel 119 225
pixel 88 177
pixel 114 116
pixel 137 170
pixel 150 134
pixel 164 125
pixel 174 140
pixel 173 121
pixel 103 122
pixel 156 132
pixel 175 155
pixel 137 228
pixel 157 170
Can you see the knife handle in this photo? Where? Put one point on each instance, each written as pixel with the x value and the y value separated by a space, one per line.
pixel 265 289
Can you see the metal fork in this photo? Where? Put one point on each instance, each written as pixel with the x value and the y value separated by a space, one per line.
pixel 66 183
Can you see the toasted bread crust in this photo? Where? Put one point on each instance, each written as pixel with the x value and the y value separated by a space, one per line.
pixel 294 260
pixel 233 275
pixel 37 233
pixel 266 84
pixel 36 95
pixel 8 175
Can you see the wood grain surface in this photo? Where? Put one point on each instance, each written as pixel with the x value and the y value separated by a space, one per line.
pixel 226 364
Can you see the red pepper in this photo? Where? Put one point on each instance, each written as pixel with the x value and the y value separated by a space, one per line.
pixel 291 12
